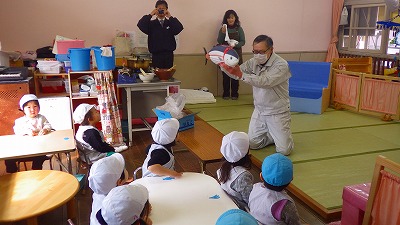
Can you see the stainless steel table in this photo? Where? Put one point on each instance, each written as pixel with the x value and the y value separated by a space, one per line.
pixel 155 85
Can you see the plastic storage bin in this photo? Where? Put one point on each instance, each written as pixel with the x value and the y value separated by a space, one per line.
pixel 185 122
pixel 52 85
pixel 80 59
pixel 62 57
pixel 48 66
pixel 64 45
pixel 104 62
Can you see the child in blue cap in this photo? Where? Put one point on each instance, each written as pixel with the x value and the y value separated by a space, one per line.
pixel 268 202
pixel 236 217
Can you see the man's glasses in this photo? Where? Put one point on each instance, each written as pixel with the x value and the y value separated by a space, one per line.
pixel 260 52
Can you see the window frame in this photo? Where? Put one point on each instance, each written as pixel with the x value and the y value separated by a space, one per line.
pixel 356 4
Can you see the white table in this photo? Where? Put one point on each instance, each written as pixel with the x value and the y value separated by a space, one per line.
pixel 140 86
pixel 186 200
pixel 56 142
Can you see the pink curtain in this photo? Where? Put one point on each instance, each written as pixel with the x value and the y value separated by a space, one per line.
pixel 346 89
pixel 380 96
pixel 110 118
pixel 337 7
pixel 386 207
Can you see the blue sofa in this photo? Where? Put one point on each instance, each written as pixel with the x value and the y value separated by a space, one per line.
pixel 309 86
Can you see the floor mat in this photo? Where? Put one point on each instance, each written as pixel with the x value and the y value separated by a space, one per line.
pixel 324 180
pixel 334 149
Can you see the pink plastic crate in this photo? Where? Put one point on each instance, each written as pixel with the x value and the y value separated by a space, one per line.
pixel 355 199
pixel 64 45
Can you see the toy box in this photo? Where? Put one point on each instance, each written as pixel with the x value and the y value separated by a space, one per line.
pixel 355 199
pixel 185 122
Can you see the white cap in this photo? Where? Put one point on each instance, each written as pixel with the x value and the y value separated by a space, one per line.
pixel 25 99
pixel 81 111
pixel 105 173
pixel 124 204
pixel 235 146
pixel 164 131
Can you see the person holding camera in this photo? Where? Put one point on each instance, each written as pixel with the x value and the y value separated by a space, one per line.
pixel 161 34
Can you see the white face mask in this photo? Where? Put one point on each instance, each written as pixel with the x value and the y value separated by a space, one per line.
pixel 261 58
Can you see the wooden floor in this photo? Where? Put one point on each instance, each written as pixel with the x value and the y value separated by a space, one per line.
pixel 134 157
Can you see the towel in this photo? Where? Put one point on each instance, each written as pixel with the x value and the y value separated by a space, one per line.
pixel 231 42
pixel 106 51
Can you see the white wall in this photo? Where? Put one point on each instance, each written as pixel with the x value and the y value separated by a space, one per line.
pixel 295 25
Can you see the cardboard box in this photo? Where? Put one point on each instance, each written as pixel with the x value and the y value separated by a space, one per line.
pixel 185 122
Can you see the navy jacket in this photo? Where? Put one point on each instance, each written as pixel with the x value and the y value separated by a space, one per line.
pixel 160 38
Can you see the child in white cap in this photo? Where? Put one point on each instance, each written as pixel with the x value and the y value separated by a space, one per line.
pixel 234 175
pixel 269 203
pixel 125 205
pixel 160 159
pixel 236 217
pixel 32 124
pixel 88 135
pixel 105 174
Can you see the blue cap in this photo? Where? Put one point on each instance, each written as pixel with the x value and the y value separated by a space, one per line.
pixel 236 217
pixel 277 170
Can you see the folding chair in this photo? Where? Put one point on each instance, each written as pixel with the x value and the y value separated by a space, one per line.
pixel 383 206
pixel 84 162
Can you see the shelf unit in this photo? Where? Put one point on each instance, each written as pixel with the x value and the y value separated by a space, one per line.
pixel 37 76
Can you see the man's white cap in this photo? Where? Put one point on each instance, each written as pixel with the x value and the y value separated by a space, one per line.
pixel 81 111
pixel 124 204
pixel 235 146
pixel 25 99
pixel 164 131
pixel 105 173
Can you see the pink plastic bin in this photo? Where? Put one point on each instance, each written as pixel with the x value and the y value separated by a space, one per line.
pixel 64 45
pixel 355 199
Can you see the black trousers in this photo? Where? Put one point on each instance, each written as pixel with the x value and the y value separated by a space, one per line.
pixel 163 60
pixel 37 163
pixel 230 86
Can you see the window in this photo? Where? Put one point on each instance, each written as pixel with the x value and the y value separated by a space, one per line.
pixel 361 34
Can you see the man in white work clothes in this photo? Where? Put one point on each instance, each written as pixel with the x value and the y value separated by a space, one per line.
pixel 269 75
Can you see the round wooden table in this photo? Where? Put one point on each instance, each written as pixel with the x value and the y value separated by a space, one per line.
pixel 28 194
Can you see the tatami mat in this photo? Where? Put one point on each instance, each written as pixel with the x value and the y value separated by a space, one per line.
pixel 334 149
pixel 319 145
pixel 301 122
pixel 324 180
pixel 225 112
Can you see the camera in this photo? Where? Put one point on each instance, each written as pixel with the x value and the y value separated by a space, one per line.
pixel 161 11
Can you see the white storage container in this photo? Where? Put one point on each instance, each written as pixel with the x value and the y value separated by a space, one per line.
pixel 49 66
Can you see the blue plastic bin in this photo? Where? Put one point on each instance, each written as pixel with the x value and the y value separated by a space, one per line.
pixel 80 59
pixel 185 122
pixel 104 62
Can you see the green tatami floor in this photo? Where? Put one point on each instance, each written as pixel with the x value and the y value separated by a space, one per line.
pixel 332 150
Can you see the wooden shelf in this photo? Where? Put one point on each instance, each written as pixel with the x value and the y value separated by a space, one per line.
pixel 46 95
pixel 83 97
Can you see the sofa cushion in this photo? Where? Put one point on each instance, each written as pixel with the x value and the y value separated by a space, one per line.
pixel 305 90
pixel 310 72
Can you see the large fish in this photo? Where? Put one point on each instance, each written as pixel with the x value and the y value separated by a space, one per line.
pixel 223 53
